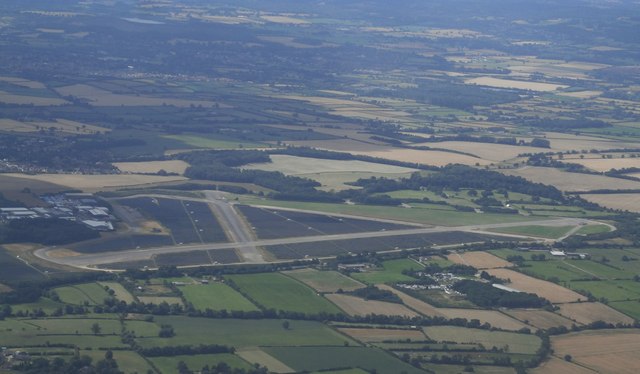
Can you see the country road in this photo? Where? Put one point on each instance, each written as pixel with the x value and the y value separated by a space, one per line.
pixel 89 260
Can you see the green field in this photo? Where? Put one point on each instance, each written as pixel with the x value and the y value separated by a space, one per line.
pixel 318 358
pixel 548 232
pixel 245 333
pixel 212 143
pixel 216 296
pixel 142 328
pixel 419 213
pixel 619 290
pixel 82 326
pixel 517 343
pixel 47 305
pixel 324 281
pixel 391 272
pixel 82 294
pixel 630 308
pixel 459 369
pixel 593 229
pixel 128 361
pixel 279 292
pixel 168 365
pixel 119 291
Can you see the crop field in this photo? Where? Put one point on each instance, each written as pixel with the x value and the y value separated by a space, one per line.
pixel 168 365
pixel 391 272
pixel 312 358
pixel 245 333
pixel 547 290
pixel 123 242
pixel 215 143
pixel 540 319
pixel 559 365
pixel 9 98
pixel 88 293
pixel 96 182
pixel 302 166
pixel 189 222
pixel 356 306
pixel 605 164
pixel 324 281
pixel 622 201
pixel 216 296
pixel 279 292
pixel 255 355
pixel 60 125
pixel 548 232
pixel 567 181
pixel 120 292
pixel 609 351
pixel 271 224
pixel 518 343
pixel 152 167
pixel 368 335
pixel 479 260
pixel 485 151
pixel 586 313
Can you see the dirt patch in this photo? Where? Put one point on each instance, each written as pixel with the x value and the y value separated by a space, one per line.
pixel 479 260
pixel 587 313
pixel 356 306
pixel 547 290
pixel 541 319
pixel 605 351
pixel 379 335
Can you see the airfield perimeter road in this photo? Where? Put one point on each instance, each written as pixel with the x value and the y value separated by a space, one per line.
pixel 89 260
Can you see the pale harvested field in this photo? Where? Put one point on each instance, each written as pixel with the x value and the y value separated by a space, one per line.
pixel 9 98
pixel 379 335
pixel 23 82
pixel 255 355
pixel 293 165
pixel 4 288
pixel 159 300
pixel 150 167
pixel 492 317
pixel 587 313
pixel 96 182
pixel 491 152
pixel 566 181
pixel 554 71
pixel 356 306
pixel 547 290
pixel 605 164
pixel 507 83
pixel 628 201
pixel 605 351
pixel 581 94
pixel 479 260
pixel 285 19
pixel 569 142
pixel 98 97
pixel 413 303
pixel 541 319
pixel 557 365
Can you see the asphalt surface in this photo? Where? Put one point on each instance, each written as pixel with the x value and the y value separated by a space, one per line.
pixel 248 246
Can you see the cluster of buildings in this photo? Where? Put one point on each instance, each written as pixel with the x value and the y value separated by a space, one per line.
pixel 443 282
pixel 76 207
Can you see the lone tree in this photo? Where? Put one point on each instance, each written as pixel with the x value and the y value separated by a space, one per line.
pixel 95 328
pixel 286 325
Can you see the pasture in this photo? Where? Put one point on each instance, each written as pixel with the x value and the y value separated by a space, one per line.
pixel 208 142
pixel 391 272
pixel 369 335
pixel 279 292
pixel 157 300
pixel 96 182
pixel 168 365
pixel 82 294
pixel 608 351
pixel 547 232
pixel 324 281
pixel 356 306
pixel 119 292
pixel 216 296
pixel 128 360
pixel 255 355
pixel 245 333
pixel 517 343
